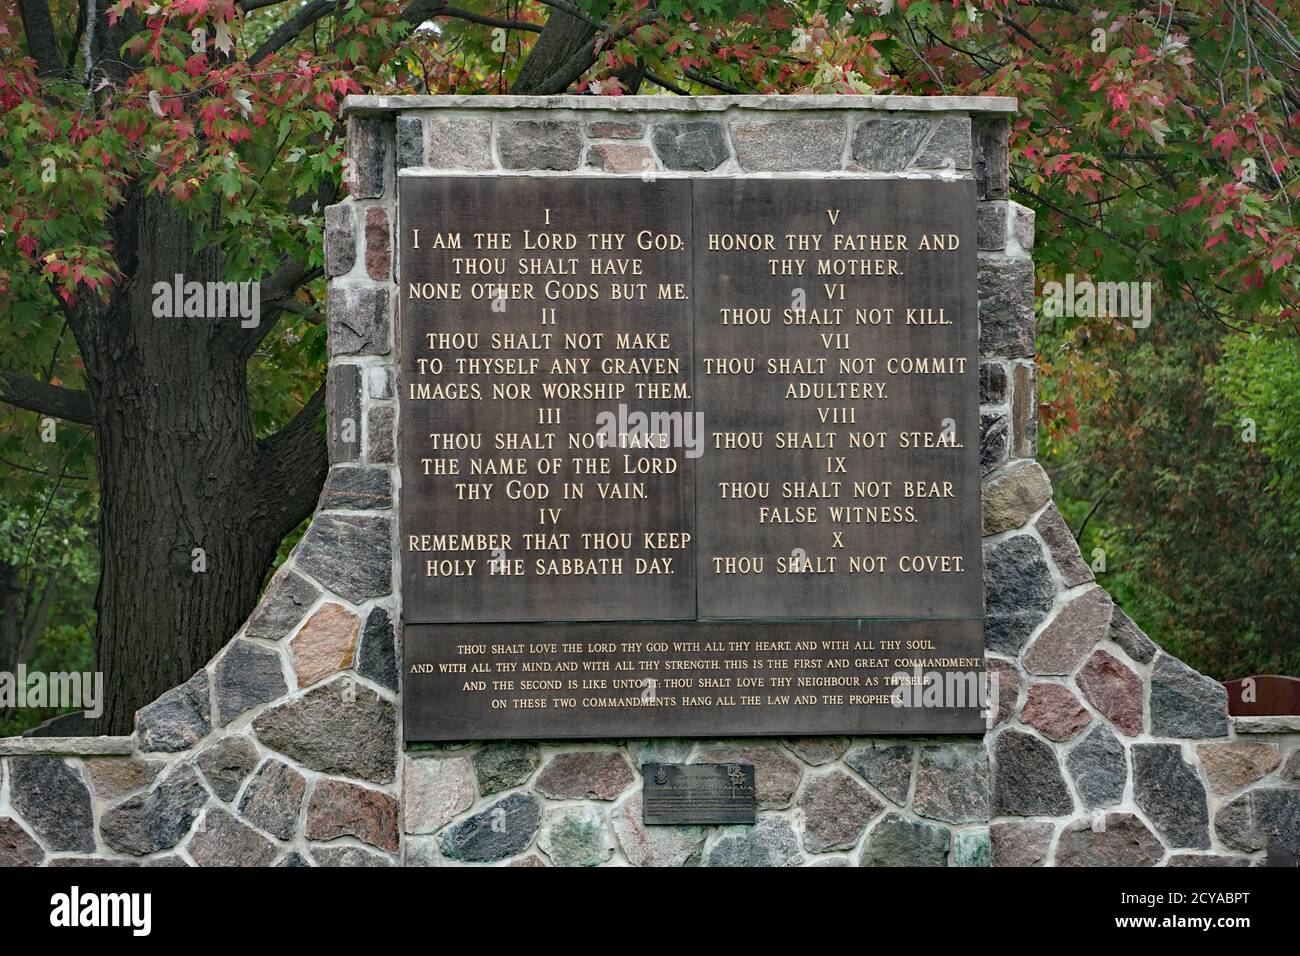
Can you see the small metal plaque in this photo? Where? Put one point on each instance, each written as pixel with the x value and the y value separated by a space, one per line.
pixel 698 793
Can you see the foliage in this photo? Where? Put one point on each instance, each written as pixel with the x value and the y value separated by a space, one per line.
pixel 1157 142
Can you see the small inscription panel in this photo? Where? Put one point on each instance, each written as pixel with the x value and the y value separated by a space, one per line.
pixel 698 793
pixel 691 679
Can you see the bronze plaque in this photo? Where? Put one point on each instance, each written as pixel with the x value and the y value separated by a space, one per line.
pixel 712 441
pixel 546 332
pixel 698 793
pixel 837 375
pixel 692 679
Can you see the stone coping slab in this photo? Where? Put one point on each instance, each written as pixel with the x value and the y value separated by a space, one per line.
pixel 66 746
pixel 354 105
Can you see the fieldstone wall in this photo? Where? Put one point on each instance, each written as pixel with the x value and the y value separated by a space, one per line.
pixel 286 749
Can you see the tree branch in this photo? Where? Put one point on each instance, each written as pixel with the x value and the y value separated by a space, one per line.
pixel 488 21
pixel 293 463
pixel 68 404
pixel 42 41
pixel 666 84
pixel 286 32
pixel 564 51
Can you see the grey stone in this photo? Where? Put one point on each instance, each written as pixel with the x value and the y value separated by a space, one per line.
pixel 994 429
pixel 1077 627
pixel 586 775
pixel 177 720
pixel 1169 792
pixel 836 809
pixel 340 239
pixel 1207 859
pixel 898 841
pixel 690 144
pixel 339 808
pixel 576 836
pixel 1063 548
pixel 1118 839
pixel 368 151
pixel 226 765
pixel 1018 592
pixel 17 848
pixel 54 801
pixel 221 840
pixel 421 851
pixel 887 144
pixel 949 146
pixel 435 790
pixel 1010 500
pixel 991 226
pixel 246 676
pixel 769 842
pixel 461 143
pixel 655 845
pixel 1022 225
pixel 539 144
pixel 348 857
pixel 504 764
pixel 498 832
pixel 113 777
pixel 359 321
pixel 1291 769
pixel 817 751
pixel 993 383
pixel 379 433
pixel 156 820
pixel 789 144
pixel 343 400
pixel 1099 767
pixel 379 382
pixel 1259 818
pixel 1027 779
pixel 273 799
pixel 410 142
pixel 282 607
pixel 615 129
pixel 357 488
pixel 952 783
pixel 621 157
pixel 352 555
pixel 1130 637
pixel 972 848
pixel 991 166
pixel 1024 412
pixel 337 728
pixel 293 860
pixel 377 659
pixel 888 769
pixel 1006 306
pixel 1019 844
pixel 1185 703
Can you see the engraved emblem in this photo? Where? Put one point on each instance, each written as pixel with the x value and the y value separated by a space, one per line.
pixel 661 776
pixel 735 775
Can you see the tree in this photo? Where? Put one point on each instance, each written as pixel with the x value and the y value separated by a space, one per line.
pixel 148 139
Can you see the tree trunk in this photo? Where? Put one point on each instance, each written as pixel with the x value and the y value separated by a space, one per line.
pixel 190 517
